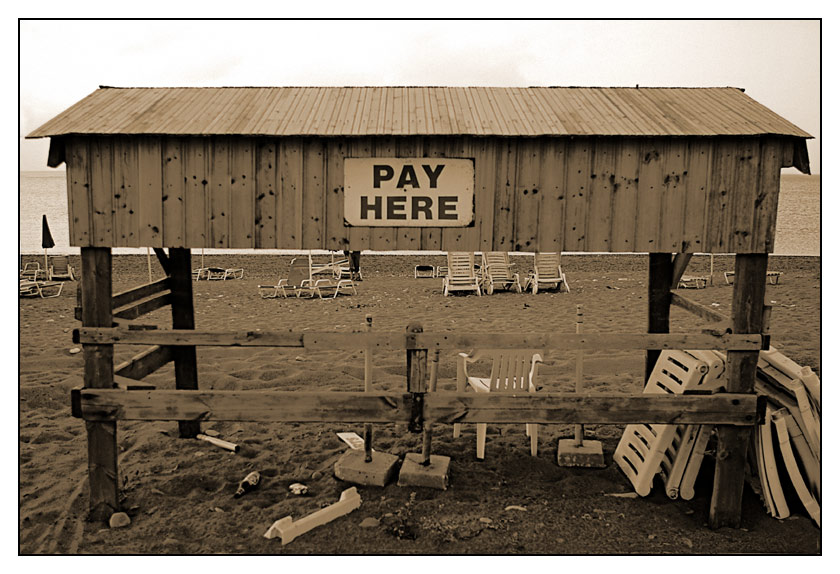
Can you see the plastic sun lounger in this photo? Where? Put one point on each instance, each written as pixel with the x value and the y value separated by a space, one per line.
pixel 60 268
pixel 497 272
pixel 772 276
pixel 298 282
pixel 547 272
pixel 30 271
pixel 461 275
pixel 424 271
pixel 43 289
pixel 643 448
pixel 331 286
pixel 218 273
pixel 692 282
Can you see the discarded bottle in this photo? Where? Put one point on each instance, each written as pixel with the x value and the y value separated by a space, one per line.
pixel 248 484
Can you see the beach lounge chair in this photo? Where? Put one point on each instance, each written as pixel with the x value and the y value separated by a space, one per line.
pixel 218 273
pixel 772 277
pixel 424 271
pixel 298 282
pixel 461 275
pixel 333 287
pixel 30 271
pixel 334 267
pixel 513 371
pixel 497 272
pixel 547 273
pixel 43 289
pixel 692 282
pixel 60 268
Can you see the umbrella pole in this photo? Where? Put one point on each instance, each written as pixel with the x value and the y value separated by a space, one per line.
pixel 46 268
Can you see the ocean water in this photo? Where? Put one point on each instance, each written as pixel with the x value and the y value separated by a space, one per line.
pixel 44 192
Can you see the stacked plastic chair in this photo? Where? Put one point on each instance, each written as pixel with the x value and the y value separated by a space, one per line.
pixel 674 451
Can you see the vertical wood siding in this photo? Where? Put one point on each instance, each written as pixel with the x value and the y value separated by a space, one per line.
pixel 552 194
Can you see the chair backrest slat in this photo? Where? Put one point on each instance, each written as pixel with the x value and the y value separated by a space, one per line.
pixel 461 264
pixel 510 370
pixel 547 264
pixel 497 265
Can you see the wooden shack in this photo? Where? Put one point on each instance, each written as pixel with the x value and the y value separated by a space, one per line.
pixel 664 171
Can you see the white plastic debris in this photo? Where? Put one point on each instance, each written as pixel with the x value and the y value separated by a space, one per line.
pixel 287 530
pixel 298 488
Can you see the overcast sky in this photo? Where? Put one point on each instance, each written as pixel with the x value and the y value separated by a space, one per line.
pixel 776 62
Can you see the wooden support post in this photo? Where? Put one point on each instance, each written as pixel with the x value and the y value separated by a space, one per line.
pixel 163 259
pixel 415 376
pixel 579 373
pixel 186 367
pixel 427 427
pixel 748 316
pixel 99 374
pixel 680 265
pixel 368 388
pixel 660 273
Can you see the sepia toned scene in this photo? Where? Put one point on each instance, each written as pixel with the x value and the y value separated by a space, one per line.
pixel 496 315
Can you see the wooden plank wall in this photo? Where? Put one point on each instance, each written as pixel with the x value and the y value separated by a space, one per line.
pixel 610 194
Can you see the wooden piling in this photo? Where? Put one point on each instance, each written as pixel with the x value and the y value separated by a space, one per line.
pixel 183 317
pixel 747 317
pixel 660 273
pixel 99 374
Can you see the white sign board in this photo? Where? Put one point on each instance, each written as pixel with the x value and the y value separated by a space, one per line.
pixel 402 192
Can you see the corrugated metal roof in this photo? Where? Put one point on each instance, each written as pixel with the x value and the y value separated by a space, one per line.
pixel 367 111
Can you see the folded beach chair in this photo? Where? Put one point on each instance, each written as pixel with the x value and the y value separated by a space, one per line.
pixel 299 282
pixel 497 272
pixel 334 267
pixel 60 268
pixel 546 273
pixel 461 275
pixel 512 371
pixel 43 289
pixel 674 451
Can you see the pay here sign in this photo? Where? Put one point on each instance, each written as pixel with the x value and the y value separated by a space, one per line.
pixel 402 192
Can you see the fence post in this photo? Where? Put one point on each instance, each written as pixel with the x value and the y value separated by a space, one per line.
pixel 660 273
pixel 183 317
pixel 415 376
pixel 99 374
pixel 748 316
pixel 368 388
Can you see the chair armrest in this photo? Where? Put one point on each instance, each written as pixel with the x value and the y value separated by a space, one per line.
pixel 536 359
pixel 461 372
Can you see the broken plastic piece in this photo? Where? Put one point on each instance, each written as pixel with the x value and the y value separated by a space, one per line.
pixel 219 442
pixel 287 530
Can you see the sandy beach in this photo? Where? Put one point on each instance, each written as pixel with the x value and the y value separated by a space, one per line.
pixel 179 492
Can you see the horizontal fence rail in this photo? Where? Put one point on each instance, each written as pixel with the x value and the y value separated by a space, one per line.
pixel 395 407
pixel 432 341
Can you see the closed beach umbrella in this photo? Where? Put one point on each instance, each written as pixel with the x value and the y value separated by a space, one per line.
pixel 46 242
